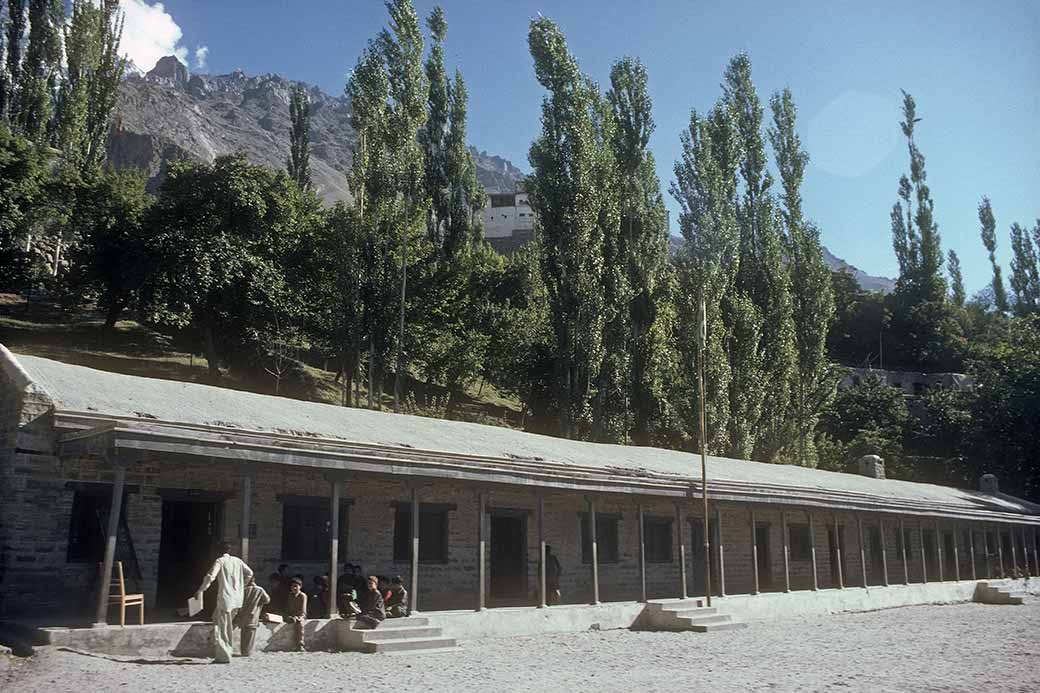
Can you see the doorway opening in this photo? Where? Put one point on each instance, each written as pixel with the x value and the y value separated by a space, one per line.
pixel 765 565
pixel 191 531
pixel 508 556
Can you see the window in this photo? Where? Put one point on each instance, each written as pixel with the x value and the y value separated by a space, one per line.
pixel 904 541
pixel 433 533
pixel 657 537
pixel 800 542
pixel 87 527
pixel 306 532
pixel 606 538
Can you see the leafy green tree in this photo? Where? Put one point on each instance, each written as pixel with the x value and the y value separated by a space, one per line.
pixel 22 172
pixel 811 284
pixel 466 195
pixel 953 266
pixel 11 76
pixel 564 159
pixel 867 418
pixel 1025 278
pixel 433 136
pixel 41 69
pixel 298 164
pixel 857 334
pixel 989 239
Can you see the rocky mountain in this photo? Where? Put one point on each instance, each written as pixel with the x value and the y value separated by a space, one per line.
pixel 169 114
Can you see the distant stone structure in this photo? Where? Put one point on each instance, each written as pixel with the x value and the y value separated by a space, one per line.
pixel 508 221
pixel 912 383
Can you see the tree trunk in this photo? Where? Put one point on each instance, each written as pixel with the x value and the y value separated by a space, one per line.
pixel 112 314
pixel 212 360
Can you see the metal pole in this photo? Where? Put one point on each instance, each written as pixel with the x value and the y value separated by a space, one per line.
pixel 838 553
pixel 787 551
pixel 542 568
pixel 754 553
pixel 884 551
pixel 595 551
pixel 956 556
pixel 924 557
pixel 704 455
pixel 681 530
pixel 104 580
pixel 939 541
pixel 902 546
pixel 862 550
pixel 812 552
pixel 642 556
pixel 971 549
pixel 247 502
pixel 415 552
pixel 722 557
pixel 482 550
pixel 334 549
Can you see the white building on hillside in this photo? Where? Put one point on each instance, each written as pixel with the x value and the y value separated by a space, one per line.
pixel 508 221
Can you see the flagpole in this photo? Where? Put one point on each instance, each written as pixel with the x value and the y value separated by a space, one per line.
pixel 702 335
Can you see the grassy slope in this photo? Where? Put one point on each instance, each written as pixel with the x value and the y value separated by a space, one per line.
pixel 40 329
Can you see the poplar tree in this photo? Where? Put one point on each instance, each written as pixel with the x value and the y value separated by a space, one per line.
pixel 1025 277
pixel 434 134
pixel 953 266
pixel 466 196
pixel 299 162
pixel 811 285
pixel 13 59
pixel 989 239
pixel 40 71
pixel 564 159
pixel 761 308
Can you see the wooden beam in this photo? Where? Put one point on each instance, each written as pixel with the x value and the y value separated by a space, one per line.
pixel 722 554
pixel 884 551
pixel 334 549
pixel 244 522
pixel 971 550
pixel 956 555
pixel 543 594
pixel 862 550
pixel 902 546
pixel 104 580
pixel 642 555
pixel 756 588
pixel 414 602
pixel 595 551
pixel 812 552
pixel 1000 550
pixel 680 528
pixel 482 550
pixel 787 551
pixel 939 542
pixel 839 554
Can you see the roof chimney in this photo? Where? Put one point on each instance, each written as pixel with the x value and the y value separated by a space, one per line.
pixel 872 466
pixel 988 484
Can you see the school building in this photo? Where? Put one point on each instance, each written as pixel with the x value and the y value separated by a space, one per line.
pixel 97 467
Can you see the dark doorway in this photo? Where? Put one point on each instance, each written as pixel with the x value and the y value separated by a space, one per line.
pixel 191 531
pixel 836 546
pixel 876 565
pixel 697 556
pixel 508 556
pixel 765 563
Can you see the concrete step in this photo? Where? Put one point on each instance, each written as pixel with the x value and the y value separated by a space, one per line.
pixel 400 633
pixel 406 622
pixel 407 644
pixel 705 620
pixel 412 653
pixel 713 627
pixel 690 612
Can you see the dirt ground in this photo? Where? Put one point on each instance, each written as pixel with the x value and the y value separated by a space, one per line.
pixel 968 647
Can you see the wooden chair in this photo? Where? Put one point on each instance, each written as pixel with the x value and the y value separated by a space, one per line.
pixel 117 595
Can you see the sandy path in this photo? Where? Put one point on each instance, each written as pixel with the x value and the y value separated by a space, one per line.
pixel 967 647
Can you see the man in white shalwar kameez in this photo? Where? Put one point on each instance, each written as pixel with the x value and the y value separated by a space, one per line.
pixel 231 575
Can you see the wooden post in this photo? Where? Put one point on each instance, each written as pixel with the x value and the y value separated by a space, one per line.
pixel 482 550
pixel 989 555
pixel 1036 554
pixel 787 551
pixel 247 503
pixel 884 551
pixel 924 557
pixel 1025 551
pixel 939 549
pixel 902 545
pixel 595 551
pixel 812 551
pixel 971 549
pixel 334 549
pixel 680 529
pixel 642 556
pixel 543 594
pixel 114 508
pixel 1000 551
pixel 956 556
pixel 722 557
pixel 754 553
pixel 862 550
pixel 1014 552
pixel 414 596
pixel 838 553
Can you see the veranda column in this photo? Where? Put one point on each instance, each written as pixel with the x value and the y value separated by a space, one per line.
pixel 114 508
pixel 838 553
pixel 542 568
pixel 956 556
pixel 924 557
pixel 884 551
pixel 1000 550
pixel 243 527
pixel 1036 554
pixel 1014 553
pixel 812 552
pixel 680 529
pixel 482 550
pixel 414 597
pixel 862 549
pixel 722 557
pixel 642 556
pixel 787 551
pixel 595 551
pixel 939 549
pixel 334 548
pixel 902 546
pixel 1025 551
pixel 971 549
pixel 754 553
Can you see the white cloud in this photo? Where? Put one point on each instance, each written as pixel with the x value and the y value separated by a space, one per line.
pixel 201 54
pixel 150 33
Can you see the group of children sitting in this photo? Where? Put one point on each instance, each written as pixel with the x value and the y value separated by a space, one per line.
pixel 370 600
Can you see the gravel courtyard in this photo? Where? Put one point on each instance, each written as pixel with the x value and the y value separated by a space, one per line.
pixel 967 647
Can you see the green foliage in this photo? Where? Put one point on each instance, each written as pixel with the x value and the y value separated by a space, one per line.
pixel 953 266
pixel 299 162
pixel 21 176
pixel 857 335
pixel 1025 278
pixel 866 419
pixel 41 69
pixel 10 78
pixel 989 239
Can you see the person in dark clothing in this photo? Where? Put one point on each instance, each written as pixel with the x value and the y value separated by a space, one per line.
pixel 553 571
pixel 318 601
pixel 397 602
pixel 373 610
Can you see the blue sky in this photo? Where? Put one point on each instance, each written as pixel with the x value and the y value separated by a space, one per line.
pixel 973 68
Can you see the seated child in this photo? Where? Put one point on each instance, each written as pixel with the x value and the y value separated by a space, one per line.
pixel 397 602
pixel 373 610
